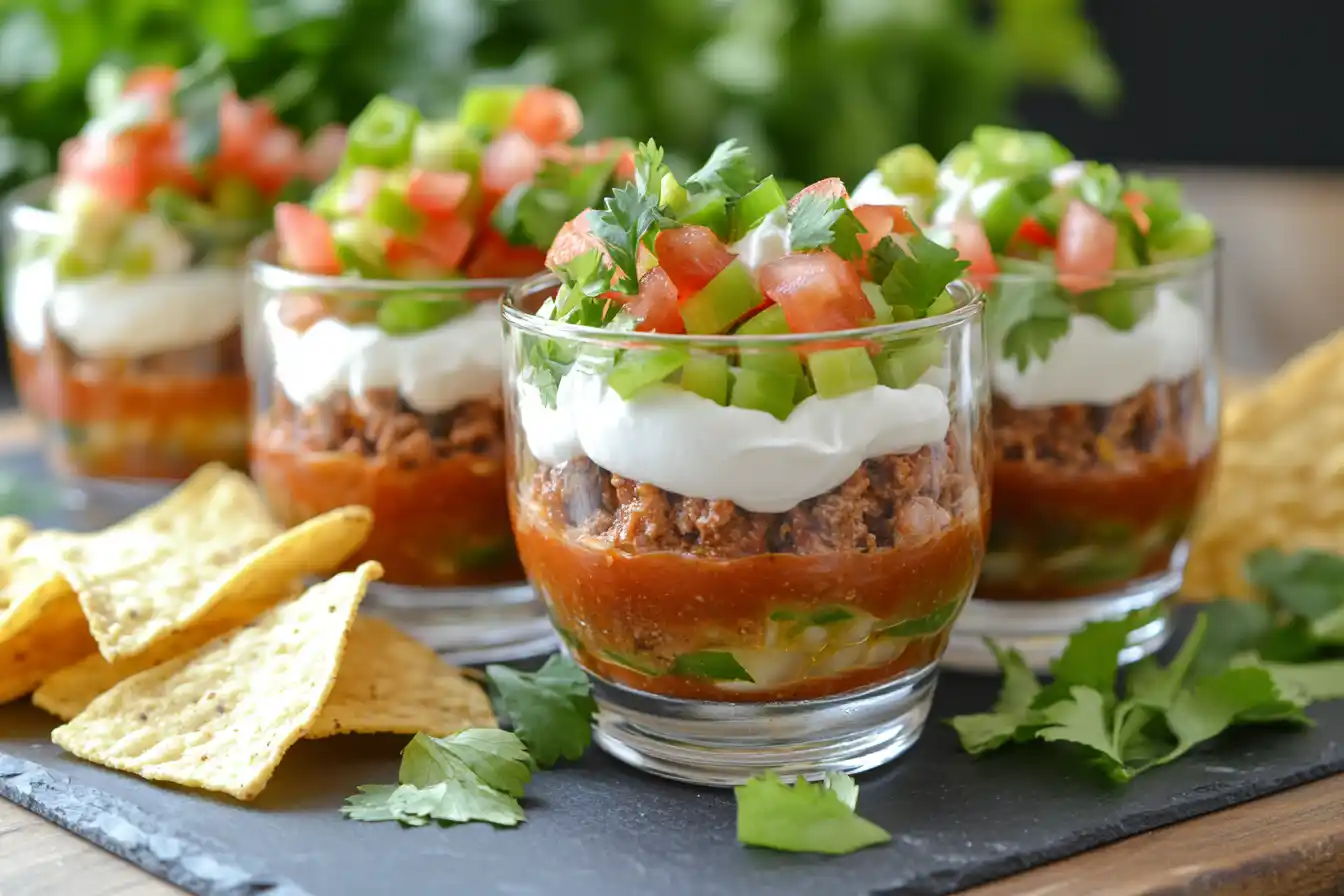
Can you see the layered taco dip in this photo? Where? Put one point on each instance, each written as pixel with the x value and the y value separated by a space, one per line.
pixel 1100 320
pixel 748 453
pixel 126 282
pixel 378 356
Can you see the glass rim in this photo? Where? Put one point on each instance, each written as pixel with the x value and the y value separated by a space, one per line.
pixel 23 209
pixel 1174 269
pixel 268 273
pixel 970 308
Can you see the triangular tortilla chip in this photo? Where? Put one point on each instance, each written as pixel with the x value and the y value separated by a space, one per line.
pixel 58 637
pixel 222 718
pixel 27 585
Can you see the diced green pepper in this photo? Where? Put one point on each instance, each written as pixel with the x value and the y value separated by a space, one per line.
pixel 706 375
pixel 803 390
pixel 902 363
pixel 445 146
pixel 360 246
pixel 488 109
pixel 764 390
pixel 909 169
pixel 927 624
pixel 383 134
pixel 719 665
pixel 1002 215
pixel 840 371
pixel 409 313
pixel 1009 152
pixel 962 160
pixel 752 208
pixel 707 210
pixel 783 361
pixel 70 265
pixel 724 300
pixel 1189 236
pixel 390 209
pixel 766 322
pixel 882 312
pixel 637 369
pixel 134 262
pixel 671 194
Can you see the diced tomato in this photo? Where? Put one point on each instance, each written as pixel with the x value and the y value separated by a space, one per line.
pixel 1087 244
pixel 625 167
pixel 242 126
pixel 818 291
pixel 881 221
pixel 1036 233
pixel 656 306
pixel 305 239
pixel 277 159
pixel 494 256
pixel 692 256
pixel 438 192
pixel 1135 202
pixel 323 152
pixel 547 115
pixel 446 241
pixel 829 187
pixel 511 159
pixel 574 239
pixel 151 79
pixel 969 239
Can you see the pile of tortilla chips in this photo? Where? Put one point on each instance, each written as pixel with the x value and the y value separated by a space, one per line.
pixel 1280 479
pixel 180 645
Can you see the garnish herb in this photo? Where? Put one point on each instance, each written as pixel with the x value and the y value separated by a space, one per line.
pixel 551 709
pixel 819 222
pixel 804 817
pixel 627 218
pixel 532 213
pixel 915 274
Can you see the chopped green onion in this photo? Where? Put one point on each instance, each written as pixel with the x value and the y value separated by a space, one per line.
pixel 488 109
pixel 409 313
pixel 840 371
pixel 637 369
pixel 706 375
pixel 707 210
pixel 752 208
pixel 909 169
pixel 724 300
pixel 390 209
pixel 383 134
pixel 445 146
pixel 762 390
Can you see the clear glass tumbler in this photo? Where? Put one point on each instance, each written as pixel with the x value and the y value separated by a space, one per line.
pixel 749 590
pixel 1103 452
pixel 135 374
pixel 388 393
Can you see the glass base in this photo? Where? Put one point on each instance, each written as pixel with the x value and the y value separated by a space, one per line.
pixel 724 744
pixel 1039 630
pixel 489 624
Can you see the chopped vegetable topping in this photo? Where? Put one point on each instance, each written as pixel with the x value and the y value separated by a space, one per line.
pixel 805 817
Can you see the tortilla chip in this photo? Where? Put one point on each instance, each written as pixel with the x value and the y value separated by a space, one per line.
pixel 391 683
pixel 1280 479
pixel 27 585
pixel 161 570
pixel 222 718
pixel 58 637
pixel 12 533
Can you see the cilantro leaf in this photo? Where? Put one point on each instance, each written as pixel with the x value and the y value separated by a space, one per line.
pixel 1026 317
pixel 1329 629
pixel 1156 686
pixel 819 222
pixel 628 217
pixel 199 91
pixel 1213 704
pixel 649 171
pixel 1092 656
pixel 916 273
pixel 1234 627
pixel 805 817
pixel 1101 187
pixel 1307 682
pixel 1081 718
pixel 1012 713
pixel 1307 583
pixel 533 213
pixel 587 274
pixel 729 170
pixel 474 775
pixel 551 709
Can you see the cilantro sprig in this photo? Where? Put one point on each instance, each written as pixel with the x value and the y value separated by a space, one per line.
pixel 819 222
pixel 913 271
pixel 805 817
pixel 551 709
pixel 728 170
pixel 532 213
pixel 1163 711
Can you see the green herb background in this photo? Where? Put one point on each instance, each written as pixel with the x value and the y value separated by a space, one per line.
pixel 815 87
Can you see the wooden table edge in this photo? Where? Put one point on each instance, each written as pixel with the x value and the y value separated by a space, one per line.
pixel 1287 843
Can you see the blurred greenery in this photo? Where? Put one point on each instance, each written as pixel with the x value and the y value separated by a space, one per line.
pixel 816 87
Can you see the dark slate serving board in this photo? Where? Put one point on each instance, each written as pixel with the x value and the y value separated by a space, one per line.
pixel 598 827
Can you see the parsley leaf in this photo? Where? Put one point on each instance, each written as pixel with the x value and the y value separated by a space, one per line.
pixel 916 273
pixel 474 775
pixel 729 170
pixel 1012 713
pixel 1082 718
pixel 551 709
pixel 628 217
pixel 532 213
pixel 649 171
pixel 819 222
pixel 1026 318
pixel 804 817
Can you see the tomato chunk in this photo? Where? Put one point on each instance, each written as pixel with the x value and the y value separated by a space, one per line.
pixel 305 239
pixel 1087 244
pixel 818 291
pixel 323 152
pixel 656 305
pixel 829 187
pixel 1135 202
pixel 512 159
pixel 881 221
pixel 547 115
pixel 692 256
pixel 494 256
pixel 1034 232
pixel 969 239
pixel 438 193
pixel 446 240
pixel 574 239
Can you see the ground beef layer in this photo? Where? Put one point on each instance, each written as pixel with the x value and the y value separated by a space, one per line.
pixel 888 500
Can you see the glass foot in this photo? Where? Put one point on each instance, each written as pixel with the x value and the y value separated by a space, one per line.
pixel 468 625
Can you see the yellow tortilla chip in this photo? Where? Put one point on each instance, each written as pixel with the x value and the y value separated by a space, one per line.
pixel 12 533
pixel 27 585
pixel 1280 479
pixel 391 683
pixel 221 718
pixel 58 637
pixel 161 570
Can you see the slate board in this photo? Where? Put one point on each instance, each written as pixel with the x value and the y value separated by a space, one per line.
pixel 598 827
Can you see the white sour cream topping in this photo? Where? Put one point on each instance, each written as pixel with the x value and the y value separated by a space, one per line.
pixel 1096 364
pixel 684 443
pixel 766 242
pixel 872 190
pixel 434 371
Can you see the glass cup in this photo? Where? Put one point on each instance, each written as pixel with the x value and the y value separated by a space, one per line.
pixel 388 394
pixel 134 373
pixel 745 592
pixel 1102 455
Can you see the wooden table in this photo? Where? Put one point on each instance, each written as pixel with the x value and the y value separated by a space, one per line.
pixel 1289 844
